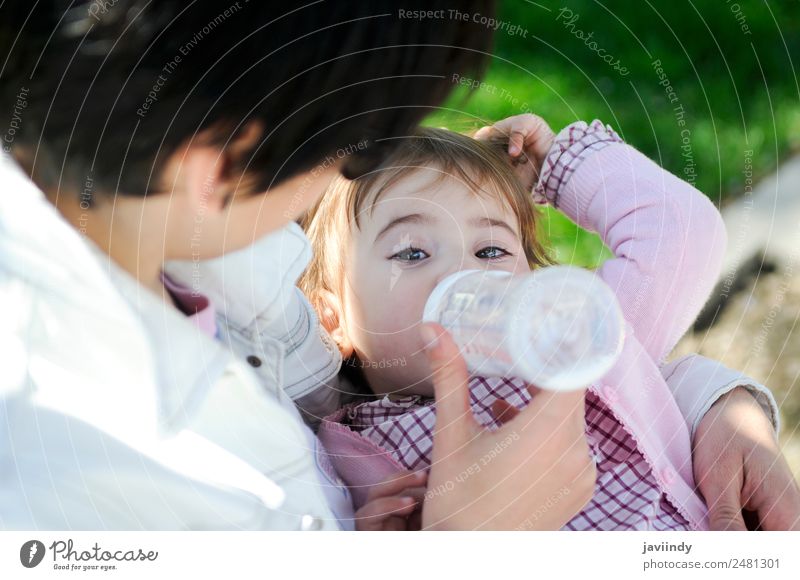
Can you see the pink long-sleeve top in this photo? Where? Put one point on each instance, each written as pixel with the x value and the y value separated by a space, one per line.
pixel 668 241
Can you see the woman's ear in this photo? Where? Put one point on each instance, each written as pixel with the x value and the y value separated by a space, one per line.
pixel 203 170
pixel 202 174
pixel 332 318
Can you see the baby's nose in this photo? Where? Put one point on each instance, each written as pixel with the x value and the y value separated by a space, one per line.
pixel 449 271
pixel 460 267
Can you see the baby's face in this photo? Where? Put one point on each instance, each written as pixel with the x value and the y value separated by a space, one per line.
pixel 419 233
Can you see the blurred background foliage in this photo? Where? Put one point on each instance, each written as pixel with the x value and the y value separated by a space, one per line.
pixel 733 67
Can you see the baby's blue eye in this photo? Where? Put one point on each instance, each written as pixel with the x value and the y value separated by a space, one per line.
pixel 491 253
pixel 410 255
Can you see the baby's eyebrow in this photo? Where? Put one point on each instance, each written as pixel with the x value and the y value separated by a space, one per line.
pixel 487 222
pixel 412 218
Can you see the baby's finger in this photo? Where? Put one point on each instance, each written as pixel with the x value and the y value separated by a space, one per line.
pixel 485 133
pixel 397 483
pixel 395 524
pixel 373 515
pixel 525 124
pixel 418 493
pixel 516 142
pixel 414 521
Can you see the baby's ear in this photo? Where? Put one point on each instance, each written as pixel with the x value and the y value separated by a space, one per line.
pixel 331 316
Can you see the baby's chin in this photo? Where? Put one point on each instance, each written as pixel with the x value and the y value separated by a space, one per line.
pixel 422 390
pixel 397 384
pixel 400 373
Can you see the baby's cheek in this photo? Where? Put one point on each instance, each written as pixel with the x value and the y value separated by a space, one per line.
pixel 403 343
pixel 395 314
pixel 391 326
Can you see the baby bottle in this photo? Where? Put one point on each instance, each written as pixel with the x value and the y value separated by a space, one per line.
pixel 559 328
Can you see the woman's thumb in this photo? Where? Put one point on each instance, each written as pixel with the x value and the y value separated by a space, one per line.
pixel 454 421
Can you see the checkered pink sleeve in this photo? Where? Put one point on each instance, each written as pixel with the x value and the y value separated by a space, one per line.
pixel 570 148
pixel 667 238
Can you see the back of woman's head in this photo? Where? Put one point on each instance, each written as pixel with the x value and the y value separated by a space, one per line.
pixel 114 87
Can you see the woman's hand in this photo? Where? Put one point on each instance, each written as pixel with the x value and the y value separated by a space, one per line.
pixel 534 472
pixel 738 465
pixel 529 140
pixel 394 505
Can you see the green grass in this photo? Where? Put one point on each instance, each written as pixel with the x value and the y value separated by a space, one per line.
pixel 739 91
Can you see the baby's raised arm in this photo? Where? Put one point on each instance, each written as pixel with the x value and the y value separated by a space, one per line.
pixel 668 239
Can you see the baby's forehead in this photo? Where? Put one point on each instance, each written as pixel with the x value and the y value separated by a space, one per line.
pixel 435 199
pixel 433 188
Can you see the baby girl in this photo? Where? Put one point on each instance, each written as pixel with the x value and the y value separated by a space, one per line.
pixel 445 202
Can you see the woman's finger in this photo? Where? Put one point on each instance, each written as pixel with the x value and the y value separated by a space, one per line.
pixel 455 424
pixel 725 513
pixel 777 498
pixel 565 409
pixel 721 491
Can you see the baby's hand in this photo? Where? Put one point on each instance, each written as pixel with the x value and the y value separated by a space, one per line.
pixel 394 504
pixel 529 139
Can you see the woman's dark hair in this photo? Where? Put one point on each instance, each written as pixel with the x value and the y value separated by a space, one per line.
pixel 105 91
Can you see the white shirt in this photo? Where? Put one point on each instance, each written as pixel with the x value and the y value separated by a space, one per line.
pixel 117 413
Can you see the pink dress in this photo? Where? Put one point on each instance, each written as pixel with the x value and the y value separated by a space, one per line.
pixel 668 241
pixel 627 496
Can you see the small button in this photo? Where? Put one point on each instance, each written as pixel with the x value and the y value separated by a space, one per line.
pixel 668 475
pixel 254 361
pixel 309 523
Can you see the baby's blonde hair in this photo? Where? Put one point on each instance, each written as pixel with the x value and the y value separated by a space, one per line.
pixel 475 163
